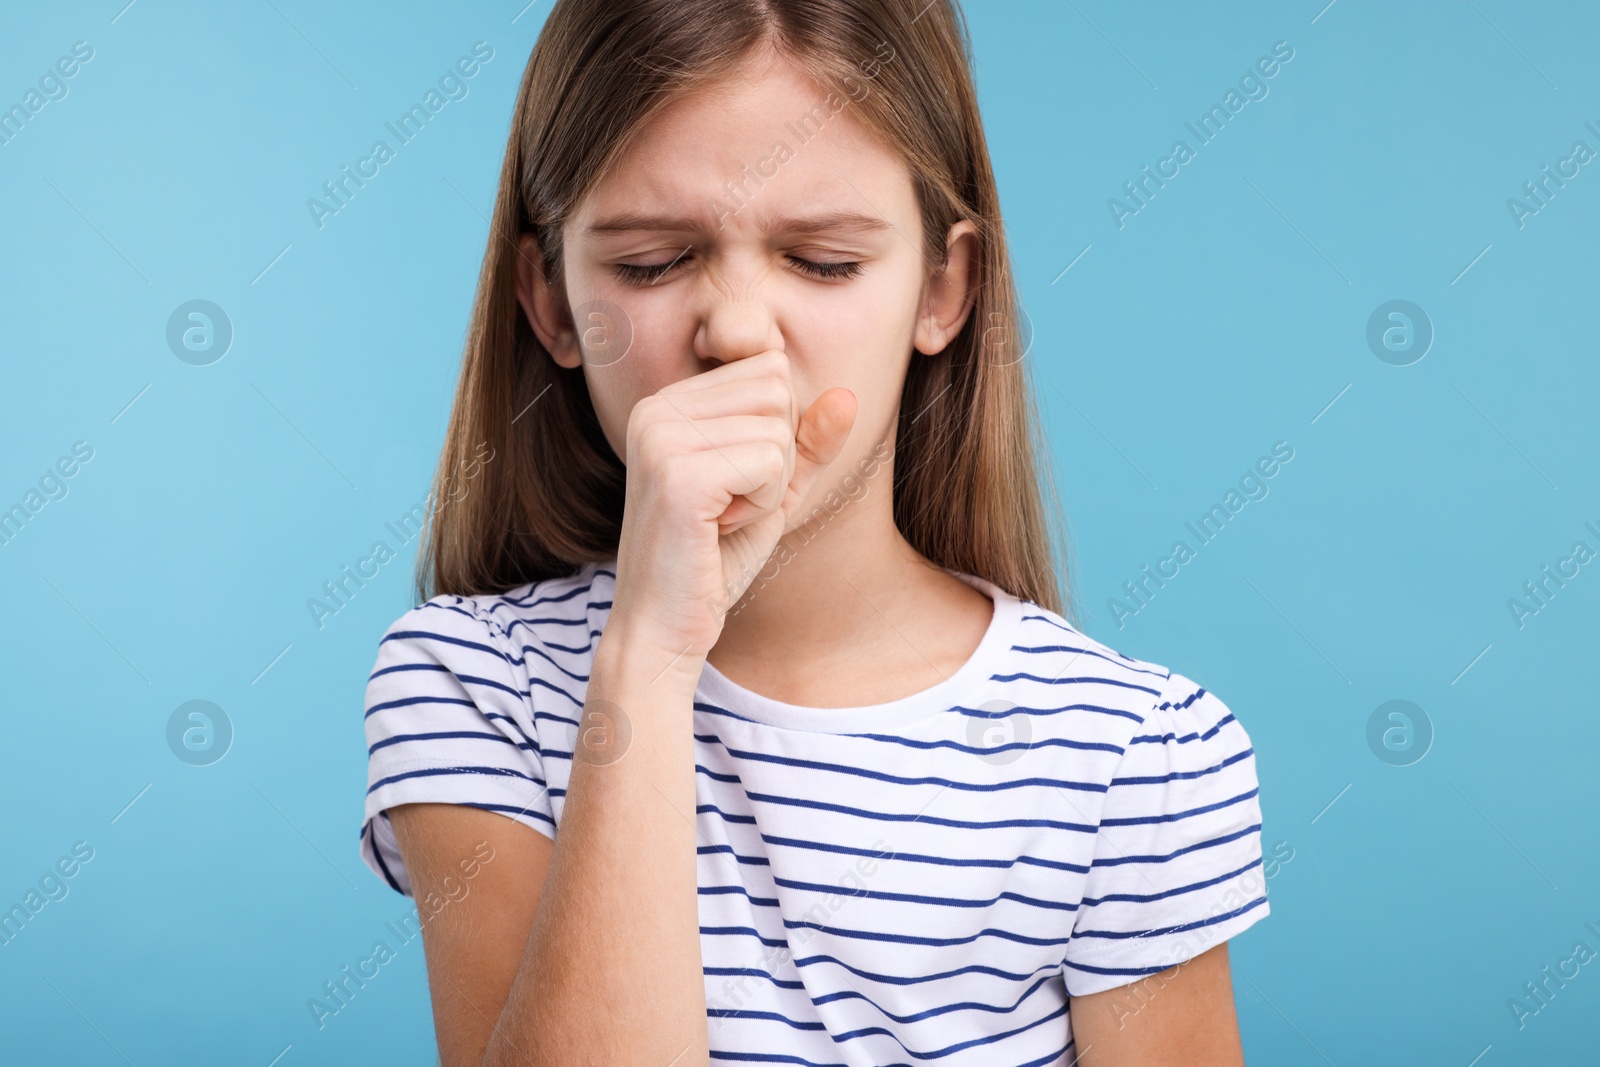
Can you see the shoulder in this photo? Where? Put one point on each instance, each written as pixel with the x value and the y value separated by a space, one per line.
pixel 1049 648
pixel 467 698
pixel 1171 796
pixel 535 641
pixel 530 618
pixel 558 615
pixel 1157 709
pixel 1041 626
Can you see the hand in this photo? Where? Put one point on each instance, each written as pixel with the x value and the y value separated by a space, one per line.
pixel 718 466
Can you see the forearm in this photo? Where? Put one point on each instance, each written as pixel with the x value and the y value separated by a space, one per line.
pixel 611 973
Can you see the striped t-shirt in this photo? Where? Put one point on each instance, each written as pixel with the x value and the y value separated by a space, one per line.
pixel 926 880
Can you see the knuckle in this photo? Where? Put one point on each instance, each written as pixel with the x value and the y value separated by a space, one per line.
pixel 774 455
pixel 775 393
pixel 675 472
pixel 777 430
pixel 774 364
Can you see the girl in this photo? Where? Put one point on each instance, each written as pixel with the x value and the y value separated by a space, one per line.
pixel 741 721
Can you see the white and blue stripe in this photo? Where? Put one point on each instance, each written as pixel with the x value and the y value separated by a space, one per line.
pixel 922 881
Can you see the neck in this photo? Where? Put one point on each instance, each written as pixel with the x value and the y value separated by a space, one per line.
pixel 835 584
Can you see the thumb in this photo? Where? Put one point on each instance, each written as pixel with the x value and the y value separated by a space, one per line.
pixel 819 438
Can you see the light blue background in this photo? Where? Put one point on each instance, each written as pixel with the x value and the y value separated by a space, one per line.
pixel 1228 314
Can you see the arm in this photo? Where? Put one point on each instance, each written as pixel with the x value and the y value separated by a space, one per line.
pixel 1181 1017
pixel 585 950
pixel 473 944
pixel 1177 868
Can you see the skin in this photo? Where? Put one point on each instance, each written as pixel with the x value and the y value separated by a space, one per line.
pixel 733 293
pixel 862 618
pixel 1181 1016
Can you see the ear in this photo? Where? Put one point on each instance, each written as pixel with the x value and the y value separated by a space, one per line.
pixel 545 308
pixel 948 297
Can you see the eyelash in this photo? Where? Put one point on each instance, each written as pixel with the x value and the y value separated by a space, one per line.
pixel 644 274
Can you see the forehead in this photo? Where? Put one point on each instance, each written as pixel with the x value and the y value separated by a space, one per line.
pixel 794 147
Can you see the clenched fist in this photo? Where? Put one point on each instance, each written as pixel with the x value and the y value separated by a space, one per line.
pixel 719 465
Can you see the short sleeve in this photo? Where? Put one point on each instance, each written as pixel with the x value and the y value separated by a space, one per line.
pixel 1177 861
pixel 448 720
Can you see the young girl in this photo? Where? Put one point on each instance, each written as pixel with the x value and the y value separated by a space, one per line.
pixel 743 723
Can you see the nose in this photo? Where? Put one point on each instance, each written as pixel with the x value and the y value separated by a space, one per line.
pixel 736 328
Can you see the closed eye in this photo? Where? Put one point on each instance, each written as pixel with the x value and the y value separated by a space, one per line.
pixel 650 273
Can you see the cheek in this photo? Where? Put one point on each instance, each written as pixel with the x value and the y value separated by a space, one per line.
pixel 613 397
pixel 614 389
pixel 862 343
pixel 867 353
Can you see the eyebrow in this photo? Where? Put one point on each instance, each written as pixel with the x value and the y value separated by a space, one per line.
pixel 636 221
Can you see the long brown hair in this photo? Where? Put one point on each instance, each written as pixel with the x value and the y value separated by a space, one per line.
pixel 968 492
